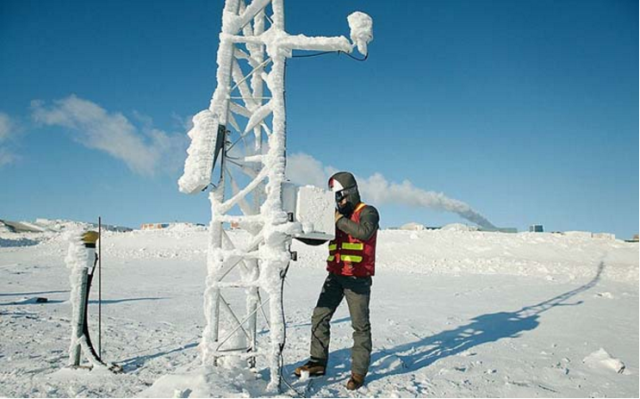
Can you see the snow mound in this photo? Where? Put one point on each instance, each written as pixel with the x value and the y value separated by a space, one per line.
pixel 601 359
pixel 578 234
pixel 206 383
pixel 413 226
pixel 458 227
pixel 547 256
pixel 59 225
pixel 186 227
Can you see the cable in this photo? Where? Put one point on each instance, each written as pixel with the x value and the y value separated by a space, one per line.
pixel 85 325
pixel 356 58
pixel 330 52
pixel 281 366
pixel 314 54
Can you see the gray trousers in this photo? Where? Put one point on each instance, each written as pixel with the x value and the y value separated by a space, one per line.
pixel 357 290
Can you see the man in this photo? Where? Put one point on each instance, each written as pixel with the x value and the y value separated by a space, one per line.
pixel 351 264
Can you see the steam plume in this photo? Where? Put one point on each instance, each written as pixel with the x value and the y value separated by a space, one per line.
pixel 304 169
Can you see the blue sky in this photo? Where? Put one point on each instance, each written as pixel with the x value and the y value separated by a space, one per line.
pixel 525 110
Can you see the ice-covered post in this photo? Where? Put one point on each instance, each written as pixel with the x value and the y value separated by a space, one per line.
pixel 80 259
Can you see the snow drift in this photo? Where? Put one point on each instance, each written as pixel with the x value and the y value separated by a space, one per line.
pixel 454 313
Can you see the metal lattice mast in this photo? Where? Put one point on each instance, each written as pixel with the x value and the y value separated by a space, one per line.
pixel 247 111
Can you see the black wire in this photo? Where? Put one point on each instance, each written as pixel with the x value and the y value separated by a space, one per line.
pixel 356 58
pixel 281 366
pixel 330 52
pixel 312 55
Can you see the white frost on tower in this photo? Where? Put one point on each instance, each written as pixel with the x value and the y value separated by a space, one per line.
pixel 264 261
pixel 199 164
pixel 361 30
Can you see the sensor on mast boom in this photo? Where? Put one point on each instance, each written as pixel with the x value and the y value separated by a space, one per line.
pixel 208 141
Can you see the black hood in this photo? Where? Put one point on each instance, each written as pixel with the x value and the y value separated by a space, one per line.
pixel 347 180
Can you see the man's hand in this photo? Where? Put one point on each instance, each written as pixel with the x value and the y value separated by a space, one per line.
pixel 338 216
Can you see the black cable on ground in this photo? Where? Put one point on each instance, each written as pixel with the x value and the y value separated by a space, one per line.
pixel 281 366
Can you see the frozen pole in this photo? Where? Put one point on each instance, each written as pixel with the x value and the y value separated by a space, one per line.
pixel 80 258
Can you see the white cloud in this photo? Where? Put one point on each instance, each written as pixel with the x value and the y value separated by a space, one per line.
pixel 8 129
pixel 6 157
pixel 144 150
pixel 6 126
pixel 303 169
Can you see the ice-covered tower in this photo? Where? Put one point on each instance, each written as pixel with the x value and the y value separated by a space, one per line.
pixel 238 150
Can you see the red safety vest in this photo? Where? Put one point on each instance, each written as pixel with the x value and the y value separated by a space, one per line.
pixel 349 256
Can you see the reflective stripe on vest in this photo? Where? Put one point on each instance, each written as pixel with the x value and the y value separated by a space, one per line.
pixel 349 256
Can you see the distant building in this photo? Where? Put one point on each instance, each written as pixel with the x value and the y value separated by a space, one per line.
pixel 154 226
pixel 412 226
pixel 177 226
pixel 604 236
pixel 536 228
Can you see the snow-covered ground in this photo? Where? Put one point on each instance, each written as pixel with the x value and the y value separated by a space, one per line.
pixel 454 313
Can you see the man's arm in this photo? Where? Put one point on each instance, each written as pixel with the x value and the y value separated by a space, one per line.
pixel 368 225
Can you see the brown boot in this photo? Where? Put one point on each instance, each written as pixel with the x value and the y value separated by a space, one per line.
pixel 355 382
pixel 313 368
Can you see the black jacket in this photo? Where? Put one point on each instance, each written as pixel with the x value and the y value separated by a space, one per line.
pixel 369 220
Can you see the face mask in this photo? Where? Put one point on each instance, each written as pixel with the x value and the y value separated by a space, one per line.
pixel 346 210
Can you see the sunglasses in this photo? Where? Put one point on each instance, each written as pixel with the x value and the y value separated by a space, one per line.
pixel 342 194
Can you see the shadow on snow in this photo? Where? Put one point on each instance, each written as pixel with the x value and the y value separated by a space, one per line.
pixel 480 330
pixel 34 301
pixel 18 242
pixel 114 301
pixel 32 293
pixel 137 362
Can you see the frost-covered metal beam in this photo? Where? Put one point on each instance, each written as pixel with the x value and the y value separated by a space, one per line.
pixel 245 38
